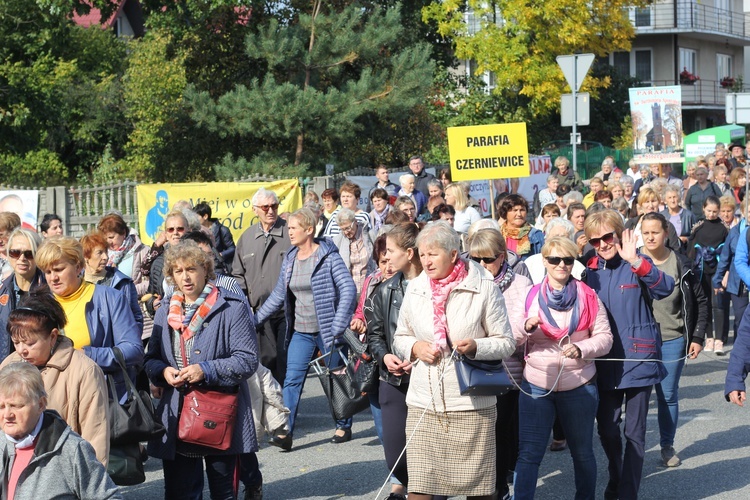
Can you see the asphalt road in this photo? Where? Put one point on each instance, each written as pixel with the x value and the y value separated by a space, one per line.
pixel 713 440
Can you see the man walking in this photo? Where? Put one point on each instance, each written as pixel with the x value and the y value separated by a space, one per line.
pixel 257 264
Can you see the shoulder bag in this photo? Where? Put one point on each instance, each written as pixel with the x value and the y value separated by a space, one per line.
pixel 207 416
pixel 480 378
pixel 362 367
pixel 344 400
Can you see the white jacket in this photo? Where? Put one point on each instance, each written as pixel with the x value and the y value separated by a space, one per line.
pixel 475 309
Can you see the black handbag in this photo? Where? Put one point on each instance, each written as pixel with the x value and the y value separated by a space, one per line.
pixel 481 378
pixel 344 400
pixel 362 367
pixel 125 466
pixel 132 421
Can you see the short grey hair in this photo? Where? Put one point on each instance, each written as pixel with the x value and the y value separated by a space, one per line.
pixel 315 207
pixel 439 234
pixel 701 169
pixel 403 199
pixel 22 379
pixel 263 194
pixel 345 215
pixel 483 224
pixel 608 161
pixel 671 188
pixel 560 222
pixel 620 204
pixel 406 176
pixel 551 177
pixel 626 179
pixel 436 183
pixel 645 167
pixel 573 197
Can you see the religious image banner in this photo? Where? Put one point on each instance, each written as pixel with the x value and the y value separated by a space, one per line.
pixel 656 116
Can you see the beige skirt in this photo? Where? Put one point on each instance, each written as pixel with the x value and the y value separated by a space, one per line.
pixel 452 453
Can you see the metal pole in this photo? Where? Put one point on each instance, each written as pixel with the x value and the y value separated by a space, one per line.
pixel 575 111
pixel 492 199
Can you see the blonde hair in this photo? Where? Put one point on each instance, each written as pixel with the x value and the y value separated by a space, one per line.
pixel 305 217
pixel 565 245
pixel 31 237
pixel 459 194
pixel 487 242
pixel 647 194
pixel 727 201
pixel 598 220
pixel 60 248
pixel 23 379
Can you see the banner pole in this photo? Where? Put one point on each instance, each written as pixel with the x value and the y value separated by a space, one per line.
pixel 492 198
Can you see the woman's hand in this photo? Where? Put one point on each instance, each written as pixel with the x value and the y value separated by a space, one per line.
pixel 531 323
pixel 627 247
pixel 161 239
pixel 395 365
pixel 581 242
pixel 737 397
pixel 358 325
pixel 172 376
pixel 695 349
pixel 571 351
pixel 192 374
pixel 467 347
pixel 426 352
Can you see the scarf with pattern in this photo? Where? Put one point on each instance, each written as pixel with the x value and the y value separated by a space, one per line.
pixel 188 321
pixel 576 296
pixel 114 257
pixel 440 291
pixel 520 234
pixel 504 277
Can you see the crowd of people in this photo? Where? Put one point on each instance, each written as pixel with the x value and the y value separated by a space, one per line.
pixel 593 296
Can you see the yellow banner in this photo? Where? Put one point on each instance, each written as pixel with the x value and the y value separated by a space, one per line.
pixel 481 152
pixel 230 202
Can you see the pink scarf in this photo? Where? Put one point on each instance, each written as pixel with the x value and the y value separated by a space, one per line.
pixel 585 308
pixel 440 291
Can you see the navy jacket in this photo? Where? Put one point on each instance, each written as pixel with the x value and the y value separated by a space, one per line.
pixel 333 289
pixel 735 285
pixel 223 242
pixel 636 334
pixel 8 304
pixel 739 358
pixel 121 281
pixel 226 349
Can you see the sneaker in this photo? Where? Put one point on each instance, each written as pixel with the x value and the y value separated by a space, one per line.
pixel 719 348
pixel 709 347
pixel 669 457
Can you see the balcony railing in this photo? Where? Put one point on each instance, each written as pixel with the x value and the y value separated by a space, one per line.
pixel 702 92
pixel 687 15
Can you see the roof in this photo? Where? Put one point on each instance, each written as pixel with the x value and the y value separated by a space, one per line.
pixel 131 8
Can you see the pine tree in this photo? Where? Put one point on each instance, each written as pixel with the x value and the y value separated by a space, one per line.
pixel 328 74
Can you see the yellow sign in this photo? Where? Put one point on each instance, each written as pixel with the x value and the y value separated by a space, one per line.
pixel 482 152
pixel 230 202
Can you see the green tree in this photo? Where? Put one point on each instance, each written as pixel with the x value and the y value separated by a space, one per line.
pixel 328 75
pixel 518 40
pixel 58 90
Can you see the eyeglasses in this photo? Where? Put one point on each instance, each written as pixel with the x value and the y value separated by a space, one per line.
pixel 179 229
pixel 486 260
pixel 606 238
pixel 555 261
pixel 347 228
pixel 266 208
pixel 16 254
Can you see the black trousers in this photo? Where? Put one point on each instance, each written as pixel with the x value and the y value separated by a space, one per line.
pixel 394 410
pixel 272 340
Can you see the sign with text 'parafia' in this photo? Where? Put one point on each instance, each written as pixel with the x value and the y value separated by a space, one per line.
pixel 480 152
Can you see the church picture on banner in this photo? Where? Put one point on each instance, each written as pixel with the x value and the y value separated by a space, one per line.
pixel 656 117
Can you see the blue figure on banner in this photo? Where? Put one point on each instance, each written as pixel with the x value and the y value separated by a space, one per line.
pixel 156 215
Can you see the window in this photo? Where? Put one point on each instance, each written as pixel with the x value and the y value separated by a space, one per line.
pixel 723 66
pixel 636 64
pixel 642 17
pixel 643 65
pixel 688 61
pixel 621 62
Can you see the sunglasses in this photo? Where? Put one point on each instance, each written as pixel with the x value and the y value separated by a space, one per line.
pixel 179 229
pixel 555 261
pixel 266 208
pixel 486 260
pixel 16 254
pixel 606 238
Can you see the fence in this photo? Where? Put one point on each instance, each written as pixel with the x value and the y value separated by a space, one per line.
pixel 81 207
